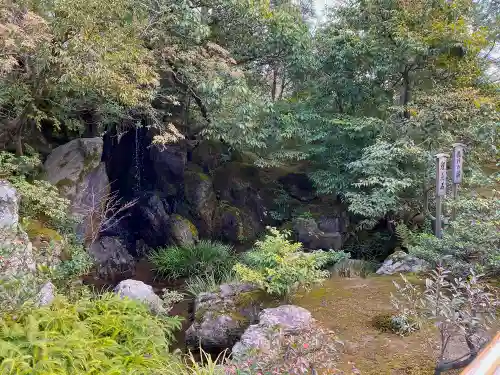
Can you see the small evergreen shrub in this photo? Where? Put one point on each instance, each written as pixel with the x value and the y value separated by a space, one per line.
pixel 104 335
pixel 471 240
pixel 198 259
pixel 280 267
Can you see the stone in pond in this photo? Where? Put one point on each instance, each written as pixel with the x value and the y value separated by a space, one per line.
pixel 401 262
pixel 139 291
pixel 222 317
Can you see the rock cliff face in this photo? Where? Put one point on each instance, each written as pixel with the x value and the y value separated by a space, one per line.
pixel 182 192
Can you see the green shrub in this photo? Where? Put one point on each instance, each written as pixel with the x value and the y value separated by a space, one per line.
pixel 280 267
pixel 471 240
pixel 209 282
pixel 198 259
pixel 105 335
pixel 39 199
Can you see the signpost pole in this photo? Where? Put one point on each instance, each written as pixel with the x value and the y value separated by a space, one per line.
pixel 440 191
pixel 457 166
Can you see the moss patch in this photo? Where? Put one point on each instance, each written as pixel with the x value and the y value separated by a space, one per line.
pixel 349 306
pixel 36 229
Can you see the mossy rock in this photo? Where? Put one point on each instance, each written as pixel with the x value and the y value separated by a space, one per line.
pixel 201 199
pixel 235 224
pixel 183 231
pixel 37 230
pixel 210 155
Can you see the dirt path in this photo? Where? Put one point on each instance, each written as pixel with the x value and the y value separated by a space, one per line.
pixel 347 306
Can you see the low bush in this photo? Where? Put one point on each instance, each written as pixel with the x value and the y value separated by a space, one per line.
pixel 103 335
pixel 462 309
pixel 205 257
pixel 280 267
pixel 471 240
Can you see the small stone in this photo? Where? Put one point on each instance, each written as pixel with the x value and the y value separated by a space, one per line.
pixel 139 291
pixel 46 294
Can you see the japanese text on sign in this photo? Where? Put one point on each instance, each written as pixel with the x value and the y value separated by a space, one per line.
pixel 441 177
pixel 458 154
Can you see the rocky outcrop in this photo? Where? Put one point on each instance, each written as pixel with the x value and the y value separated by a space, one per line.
pixel 210 155
pixel 76 169
pixel 17 251
pixel 274 324
pixel 299 186
pixel 401 262
pixel 169 162
pixel 111 257
pixel 9 216
pixel 152 219
pixel 200 196
pixel 235 224
pixel 222 317
pixel 139 291
pixel 313 237
pixel 182 231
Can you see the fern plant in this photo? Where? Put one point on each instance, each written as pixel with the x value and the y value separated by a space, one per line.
pixel 104 335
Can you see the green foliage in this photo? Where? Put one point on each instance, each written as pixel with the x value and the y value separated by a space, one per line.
pixel 39 199
pixel 209 282
pixel 279 266
pixel 460 308
pixel 191 260
pixel 470 241
pixel 103 335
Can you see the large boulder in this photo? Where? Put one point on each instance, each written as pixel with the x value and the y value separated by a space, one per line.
pixel 286 338
pixel 221 318
pixel 200 196
pixel 313 238
pixel 274 323
pixel 235 224
pixel 139 291
pixel 182 231
pixel 169 162
pixel 152 220
pixel 401 262
pixel 111 257
pixel 9 205
pixel 17 251
pixel 76 169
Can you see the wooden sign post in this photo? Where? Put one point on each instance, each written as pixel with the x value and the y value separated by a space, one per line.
pixel 457 172
pixel 441 174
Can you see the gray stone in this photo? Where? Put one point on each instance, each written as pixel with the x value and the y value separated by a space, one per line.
pixel 46 294
pixel 111 257
pixel 183 232
pixel 9 216
pixel 139 291
pixel 16 247
pixel 76 169
pixel 401 262
pixel 222 317
pixel 273 324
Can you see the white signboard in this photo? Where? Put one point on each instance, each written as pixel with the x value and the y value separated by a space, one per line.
pixel 441 175
pixel 458 159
